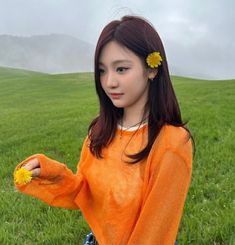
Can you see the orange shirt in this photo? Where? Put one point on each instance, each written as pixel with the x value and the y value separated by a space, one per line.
pixel 124 204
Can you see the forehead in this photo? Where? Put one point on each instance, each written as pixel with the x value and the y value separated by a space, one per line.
pixel 113 52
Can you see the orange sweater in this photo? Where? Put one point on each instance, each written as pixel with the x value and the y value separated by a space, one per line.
pixel 124 204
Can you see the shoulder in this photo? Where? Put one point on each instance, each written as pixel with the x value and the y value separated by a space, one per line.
pixel 172 137
pixel 175 139
pixel 172 141
pixel 175 136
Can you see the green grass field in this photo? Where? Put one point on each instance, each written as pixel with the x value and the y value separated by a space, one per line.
pixel 49 114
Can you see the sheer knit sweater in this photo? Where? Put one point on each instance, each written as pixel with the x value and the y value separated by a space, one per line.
pixel 124 204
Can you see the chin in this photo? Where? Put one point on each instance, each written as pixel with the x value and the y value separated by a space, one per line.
pixel 118 105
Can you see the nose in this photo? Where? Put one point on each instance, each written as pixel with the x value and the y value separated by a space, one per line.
pixel 111 80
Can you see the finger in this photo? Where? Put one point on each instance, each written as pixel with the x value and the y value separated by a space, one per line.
pixel 32 164
pixel 36 172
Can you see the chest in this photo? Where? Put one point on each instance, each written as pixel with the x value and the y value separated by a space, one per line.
pixel 114 181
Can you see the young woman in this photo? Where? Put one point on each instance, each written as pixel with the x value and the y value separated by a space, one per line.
pixel 136 162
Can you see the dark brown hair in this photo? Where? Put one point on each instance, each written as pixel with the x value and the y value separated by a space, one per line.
pixel 139 36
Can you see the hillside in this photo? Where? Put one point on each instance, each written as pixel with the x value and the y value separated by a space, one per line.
pixel 7 72
pixel 50 114
pixel 55 53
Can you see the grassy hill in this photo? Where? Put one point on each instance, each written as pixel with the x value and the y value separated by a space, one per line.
pixel 49 114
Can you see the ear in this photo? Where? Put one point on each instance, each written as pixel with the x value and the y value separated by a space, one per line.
pixel 152 73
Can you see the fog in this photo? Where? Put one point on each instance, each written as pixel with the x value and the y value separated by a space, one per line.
pixel 198 35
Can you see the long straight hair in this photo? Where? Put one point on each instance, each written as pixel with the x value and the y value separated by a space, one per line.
pixel 139 36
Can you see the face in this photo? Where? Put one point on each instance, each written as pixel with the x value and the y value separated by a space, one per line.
pixel 123 76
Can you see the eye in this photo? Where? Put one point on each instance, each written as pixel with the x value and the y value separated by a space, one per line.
pixel 122 69
pixel 101 71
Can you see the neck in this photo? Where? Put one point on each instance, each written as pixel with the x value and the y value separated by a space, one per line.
pixel 130 118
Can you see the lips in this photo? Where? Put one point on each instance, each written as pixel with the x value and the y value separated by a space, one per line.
pixel 116 95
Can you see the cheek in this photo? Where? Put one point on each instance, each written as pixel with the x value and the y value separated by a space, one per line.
pixel 130 81
pixel 102 84
pixel 137 83
pixel 104 88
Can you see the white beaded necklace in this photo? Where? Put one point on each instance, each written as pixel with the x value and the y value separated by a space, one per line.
pixel 123 129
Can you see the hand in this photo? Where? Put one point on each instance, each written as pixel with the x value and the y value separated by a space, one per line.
pixel 34 166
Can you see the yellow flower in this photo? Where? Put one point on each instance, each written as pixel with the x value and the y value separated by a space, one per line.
pixel 154 59
pixel 23 176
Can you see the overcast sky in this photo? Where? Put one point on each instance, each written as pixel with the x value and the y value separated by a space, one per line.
pixel 198 34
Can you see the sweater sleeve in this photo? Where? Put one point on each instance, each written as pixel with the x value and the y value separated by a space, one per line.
pixel 162 208
pixel 57 185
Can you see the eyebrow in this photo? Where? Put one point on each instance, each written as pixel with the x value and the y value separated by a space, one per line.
pixel 117 62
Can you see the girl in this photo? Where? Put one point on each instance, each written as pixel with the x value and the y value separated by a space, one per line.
pixel 136 162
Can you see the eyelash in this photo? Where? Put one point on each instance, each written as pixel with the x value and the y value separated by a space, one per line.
pixel 101 71
pixel 123 68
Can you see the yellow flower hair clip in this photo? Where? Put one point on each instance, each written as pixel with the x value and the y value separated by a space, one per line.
pixel 154 59
pixel 23 176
